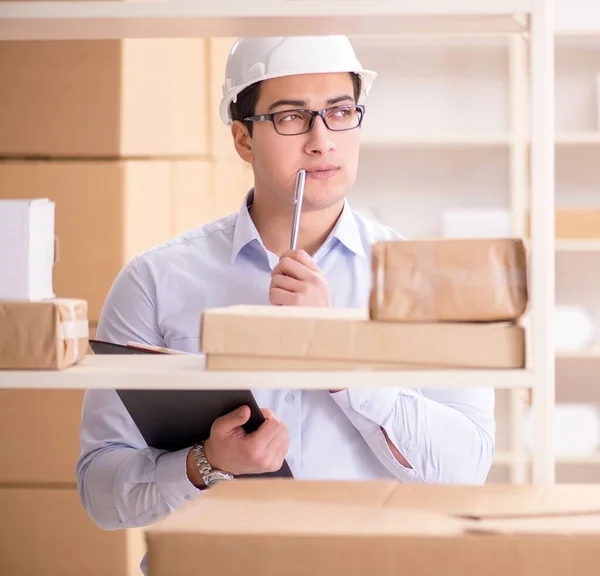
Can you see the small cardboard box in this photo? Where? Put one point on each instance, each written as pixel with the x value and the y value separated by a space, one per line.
pixel 272 527
pixel 577 223
pixel 45 335
pixel 574 223
pixel 449 280
pixel 27 249
pixel 290 338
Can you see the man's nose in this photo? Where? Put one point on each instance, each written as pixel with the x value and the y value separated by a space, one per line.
pixel 319 138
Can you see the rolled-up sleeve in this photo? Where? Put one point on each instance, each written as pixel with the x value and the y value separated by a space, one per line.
pixel 122 482
pixel 447 436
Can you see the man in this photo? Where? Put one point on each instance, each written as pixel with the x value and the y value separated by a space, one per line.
pixel 292 103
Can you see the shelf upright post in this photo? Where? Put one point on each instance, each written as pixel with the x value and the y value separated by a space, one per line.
pixel 542 239
pixel 519 205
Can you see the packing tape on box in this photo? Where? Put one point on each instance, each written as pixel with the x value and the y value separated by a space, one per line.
pixel 73 329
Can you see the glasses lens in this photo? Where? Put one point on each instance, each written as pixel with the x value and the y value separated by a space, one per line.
pixel 292 122
pixel 343 117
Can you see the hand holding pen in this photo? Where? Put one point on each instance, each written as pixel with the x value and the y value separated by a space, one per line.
pixel 297 280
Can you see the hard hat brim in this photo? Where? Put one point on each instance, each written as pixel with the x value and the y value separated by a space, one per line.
pixel 367 78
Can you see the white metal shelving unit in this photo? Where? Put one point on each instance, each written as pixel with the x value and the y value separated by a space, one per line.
pixel 530 21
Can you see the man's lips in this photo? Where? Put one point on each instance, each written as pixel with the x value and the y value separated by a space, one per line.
pixel 321 172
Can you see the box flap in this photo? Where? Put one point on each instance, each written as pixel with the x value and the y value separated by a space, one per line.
pixel 373 493
pixel 252 517
pixel 575 525
pixel 498 501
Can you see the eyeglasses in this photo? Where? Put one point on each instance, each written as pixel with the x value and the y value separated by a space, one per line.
pixel 294 122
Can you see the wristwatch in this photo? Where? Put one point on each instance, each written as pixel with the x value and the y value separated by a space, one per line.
pixel 210 476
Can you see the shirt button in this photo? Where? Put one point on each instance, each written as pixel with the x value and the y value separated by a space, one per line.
pixel 364 405
pixel 289 398
pixel 290 461
pixel 188 497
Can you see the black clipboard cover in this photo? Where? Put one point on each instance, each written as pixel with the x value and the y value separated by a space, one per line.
pixel 177 419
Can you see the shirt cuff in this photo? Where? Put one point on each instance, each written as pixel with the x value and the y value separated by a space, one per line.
pixel 171 476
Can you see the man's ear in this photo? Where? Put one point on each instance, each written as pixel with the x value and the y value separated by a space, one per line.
pixel 242 141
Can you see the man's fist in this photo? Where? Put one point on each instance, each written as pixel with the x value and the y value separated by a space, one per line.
pixel 298 281
pixel 232 450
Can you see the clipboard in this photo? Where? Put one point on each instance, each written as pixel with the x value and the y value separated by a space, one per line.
pixel 177 419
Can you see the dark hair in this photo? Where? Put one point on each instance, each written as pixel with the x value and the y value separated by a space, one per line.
pixel 248 97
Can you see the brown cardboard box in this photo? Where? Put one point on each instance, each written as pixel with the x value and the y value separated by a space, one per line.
pixel 273 527
pixel 328 338
pixel 582 223
pixel 108 212
pixel 449 280
pixel 40 431
pixel 108 98
pixel 46 532
pixel 46 335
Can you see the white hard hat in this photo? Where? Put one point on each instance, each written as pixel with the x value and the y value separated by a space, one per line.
pixel 259 58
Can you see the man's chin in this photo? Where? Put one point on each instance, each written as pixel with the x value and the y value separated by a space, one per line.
pixel 322 201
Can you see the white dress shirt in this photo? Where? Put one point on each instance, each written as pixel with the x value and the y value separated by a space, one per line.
pixel 447 436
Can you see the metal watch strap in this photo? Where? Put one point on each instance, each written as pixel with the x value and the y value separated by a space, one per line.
pixel 209 474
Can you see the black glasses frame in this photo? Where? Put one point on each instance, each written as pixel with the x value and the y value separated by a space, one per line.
pixel 313 114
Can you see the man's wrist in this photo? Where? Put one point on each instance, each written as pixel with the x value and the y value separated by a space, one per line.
pixel 193 473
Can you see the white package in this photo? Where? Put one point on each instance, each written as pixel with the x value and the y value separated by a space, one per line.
pixel 477 223
pixel 26 249
pixel 576 430
pixel 574 328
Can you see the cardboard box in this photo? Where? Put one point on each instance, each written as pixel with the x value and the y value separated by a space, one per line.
pixel 449 280
pixel 27 249
pixel 40 431
pixel 274 526
pixel 280 337
pixel 574 223
pixel 45 335
pixel 46 532
pixel 108 212
pixel 107 98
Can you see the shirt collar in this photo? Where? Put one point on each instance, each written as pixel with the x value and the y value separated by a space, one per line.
pixel 345 231
pixel 245 231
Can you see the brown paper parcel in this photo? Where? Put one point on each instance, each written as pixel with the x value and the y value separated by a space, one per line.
pixel 449 280
pixel 46 335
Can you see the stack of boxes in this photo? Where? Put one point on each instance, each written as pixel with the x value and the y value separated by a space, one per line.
pixel 435 304
pixel 120 137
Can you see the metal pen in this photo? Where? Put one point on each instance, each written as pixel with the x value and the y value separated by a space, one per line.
pixel 298 197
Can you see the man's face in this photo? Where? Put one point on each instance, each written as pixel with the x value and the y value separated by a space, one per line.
pixel 330 158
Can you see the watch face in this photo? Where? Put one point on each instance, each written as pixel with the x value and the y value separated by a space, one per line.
pixel 215 478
